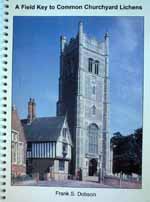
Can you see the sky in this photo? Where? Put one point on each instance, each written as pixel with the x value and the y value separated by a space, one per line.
pixel 36 50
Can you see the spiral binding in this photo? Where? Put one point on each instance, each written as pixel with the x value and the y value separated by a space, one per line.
pixel 3 99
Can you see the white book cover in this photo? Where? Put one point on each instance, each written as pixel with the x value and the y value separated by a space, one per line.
pixel 74 100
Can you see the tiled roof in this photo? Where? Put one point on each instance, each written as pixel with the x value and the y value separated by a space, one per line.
pixel 43 129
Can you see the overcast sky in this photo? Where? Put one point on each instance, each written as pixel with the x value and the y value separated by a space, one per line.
pixel 36 64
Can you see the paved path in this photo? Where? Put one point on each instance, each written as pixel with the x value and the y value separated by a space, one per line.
pixel 64 183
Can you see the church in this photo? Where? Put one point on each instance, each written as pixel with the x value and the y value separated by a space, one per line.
pixel 83 96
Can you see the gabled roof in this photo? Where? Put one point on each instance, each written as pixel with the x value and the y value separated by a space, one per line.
pixel 16 125
pixel 43 129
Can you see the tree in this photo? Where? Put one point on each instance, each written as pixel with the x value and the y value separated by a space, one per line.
pixel 127 152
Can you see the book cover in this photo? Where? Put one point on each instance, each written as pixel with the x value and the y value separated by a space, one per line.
pixel 75 101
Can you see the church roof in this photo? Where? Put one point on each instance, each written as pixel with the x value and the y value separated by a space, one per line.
pixel 43 129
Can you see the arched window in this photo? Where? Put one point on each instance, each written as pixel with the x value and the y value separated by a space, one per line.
pixel 93 110
pixel 93 90
pixel 90 64
pixel 96 67
pixel 93 138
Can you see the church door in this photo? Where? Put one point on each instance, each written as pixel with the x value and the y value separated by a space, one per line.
pixel 92 167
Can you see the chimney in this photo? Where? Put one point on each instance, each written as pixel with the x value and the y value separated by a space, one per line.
pixel 31 110
pixel 13 108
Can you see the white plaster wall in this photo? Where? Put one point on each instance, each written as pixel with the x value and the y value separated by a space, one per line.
pixel 61 140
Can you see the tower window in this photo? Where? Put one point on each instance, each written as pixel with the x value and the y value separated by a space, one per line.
pixel 97 67
pixel 93 110
pixel 93 90
pixel 93 139
pixel 90 64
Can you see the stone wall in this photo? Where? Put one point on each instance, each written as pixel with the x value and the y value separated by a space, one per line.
pixel 47 169
pixel 75 94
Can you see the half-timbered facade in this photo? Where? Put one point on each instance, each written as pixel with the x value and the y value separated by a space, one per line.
pixel 48 147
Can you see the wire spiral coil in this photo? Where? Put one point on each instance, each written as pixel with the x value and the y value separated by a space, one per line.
pixel 3 99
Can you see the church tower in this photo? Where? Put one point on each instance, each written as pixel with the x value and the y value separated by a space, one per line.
pixel 83 97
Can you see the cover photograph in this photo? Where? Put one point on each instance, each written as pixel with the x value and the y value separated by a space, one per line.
pixel 74 101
